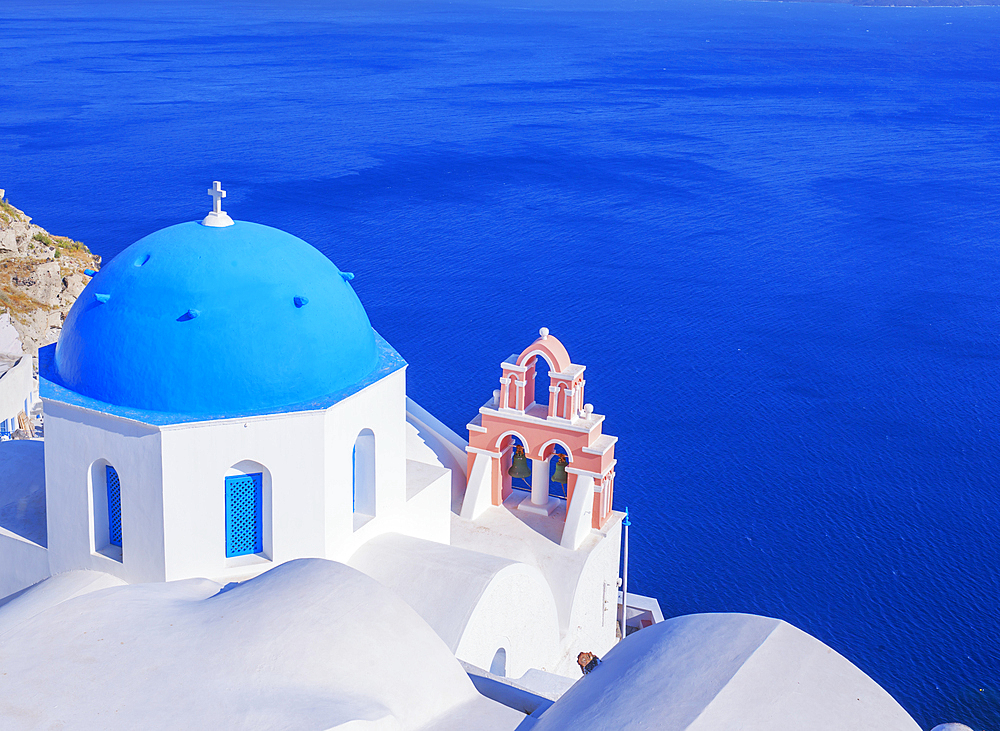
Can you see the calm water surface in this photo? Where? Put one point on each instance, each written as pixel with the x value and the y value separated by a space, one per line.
pixel 769 230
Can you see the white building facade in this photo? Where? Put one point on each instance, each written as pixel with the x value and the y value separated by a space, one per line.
pixel 218 404
pixel 17 383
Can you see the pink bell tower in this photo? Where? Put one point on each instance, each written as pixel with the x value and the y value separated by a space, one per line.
pixel 565 421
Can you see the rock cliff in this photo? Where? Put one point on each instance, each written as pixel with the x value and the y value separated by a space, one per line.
pixel 41 276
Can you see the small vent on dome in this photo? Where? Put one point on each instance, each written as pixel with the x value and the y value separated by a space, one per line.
pixel 142 260
pixel 189 315
pixel 301 301
pixel 102 298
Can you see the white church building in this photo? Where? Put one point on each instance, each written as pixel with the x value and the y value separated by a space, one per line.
pixel 218 403
pixel 238 520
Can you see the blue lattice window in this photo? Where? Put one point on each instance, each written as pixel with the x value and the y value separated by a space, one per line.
pixel 244 527
pixel 114 507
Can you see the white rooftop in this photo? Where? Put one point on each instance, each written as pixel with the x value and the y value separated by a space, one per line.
pixel 311 644
pixel 720 672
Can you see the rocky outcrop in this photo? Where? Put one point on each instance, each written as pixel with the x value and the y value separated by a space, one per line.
pixel 41 275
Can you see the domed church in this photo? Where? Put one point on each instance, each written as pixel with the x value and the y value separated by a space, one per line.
pixel 218 403
pixel 238 519
pixel 222 395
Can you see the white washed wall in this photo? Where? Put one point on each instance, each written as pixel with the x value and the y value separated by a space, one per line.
pixel 286 448
pixel 76 438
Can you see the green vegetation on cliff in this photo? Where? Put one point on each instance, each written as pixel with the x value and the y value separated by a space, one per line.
pixel 41 275
pixel 9 214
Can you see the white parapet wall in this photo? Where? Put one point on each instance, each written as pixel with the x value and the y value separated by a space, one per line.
pixel 24 558
pixel 24 563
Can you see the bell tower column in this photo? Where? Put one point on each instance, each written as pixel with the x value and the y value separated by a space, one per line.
pixel 540 482
pixel 567 430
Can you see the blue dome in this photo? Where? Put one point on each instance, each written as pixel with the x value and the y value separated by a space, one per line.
pixel 197 320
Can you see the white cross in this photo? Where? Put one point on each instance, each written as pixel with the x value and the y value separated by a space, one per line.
pixel 217 194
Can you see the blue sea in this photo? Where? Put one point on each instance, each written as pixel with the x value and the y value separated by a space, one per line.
pixel 771 231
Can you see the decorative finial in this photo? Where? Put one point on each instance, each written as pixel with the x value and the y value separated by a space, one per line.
pixel 588 409
pixel 218 218
pixel 543 332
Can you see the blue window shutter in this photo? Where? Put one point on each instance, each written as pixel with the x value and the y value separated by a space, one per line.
pixel 114 507
pixel 244 507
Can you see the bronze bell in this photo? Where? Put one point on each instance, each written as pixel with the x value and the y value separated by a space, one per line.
pixel 559 474
pixel 519 464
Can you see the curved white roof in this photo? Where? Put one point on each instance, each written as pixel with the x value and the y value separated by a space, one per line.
pixel 311 644
pixel 477 603
pixel 720 672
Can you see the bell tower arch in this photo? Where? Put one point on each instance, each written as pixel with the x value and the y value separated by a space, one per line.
pixel 563 434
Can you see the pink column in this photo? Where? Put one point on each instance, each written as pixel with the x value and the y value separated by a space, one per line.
pixel 505 392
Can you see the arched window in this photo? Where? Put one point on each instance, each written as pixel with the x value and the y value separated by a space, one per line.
pixel 114 506
pixel 508 452
pixel 244 514
pixel 542 381
pixel 106 510
pixel 363 473
pixel 558 489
